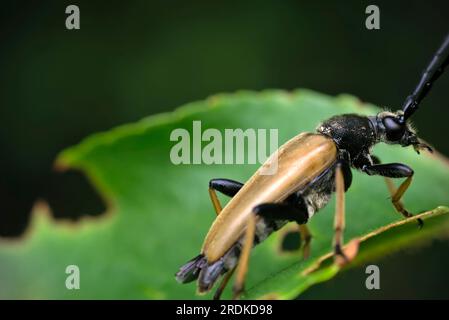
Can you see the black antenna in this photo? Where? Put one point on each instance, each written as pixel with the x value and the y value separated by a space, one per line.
pixel 430 75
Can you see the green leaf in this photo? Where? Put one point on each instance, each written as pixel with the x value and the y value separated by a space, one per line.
pixel 159 212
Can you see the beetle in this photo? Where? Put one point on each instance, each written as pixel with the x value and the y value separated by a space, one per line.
pixel 310 168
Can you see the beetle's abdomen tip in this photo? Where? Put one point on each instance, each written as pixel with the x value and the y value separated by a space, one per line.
pixel 209 274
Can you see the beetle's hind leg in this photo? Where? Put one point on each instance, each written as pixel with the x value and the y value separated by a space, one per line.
pixel 242 266
pixel 270 212
pixel 293 209
pixel 224 282
pixel 229 188
pixel 191 270
pixel 225 186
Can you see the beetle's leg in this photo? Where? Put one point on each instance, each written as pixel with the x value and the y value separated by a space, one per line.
pixel 395 170
pixel 215 201
pixel 388 182
pixel 225 186
pixel 397 195
pixel 242 266
pixel 339 220
pixel 293 209
pixel 283 211
pixel 224 283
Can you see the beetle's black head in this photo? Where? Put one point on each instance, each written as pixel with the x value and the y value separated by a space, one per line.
pixel 391 128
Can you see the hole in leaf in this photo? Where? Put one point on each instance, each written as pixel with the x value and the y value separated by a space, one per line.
pixel 291 241
pixel 71 195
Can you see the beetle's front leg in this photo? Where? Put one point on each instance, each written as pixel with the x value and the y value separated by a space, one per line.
pixel 394 170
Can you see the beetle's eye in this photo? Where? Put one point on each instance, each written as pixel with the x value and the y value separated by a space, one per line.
pixel 393 128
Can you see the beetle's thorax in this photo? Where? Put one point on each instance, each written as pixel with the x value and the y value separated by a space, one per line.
pixel 353 134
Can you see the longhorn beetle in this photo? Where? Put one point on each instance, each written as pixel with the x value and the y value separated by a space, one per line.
pixel 311 166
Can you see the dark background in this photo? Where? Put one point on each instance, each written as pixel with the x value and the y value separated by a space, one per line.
pixel 135 58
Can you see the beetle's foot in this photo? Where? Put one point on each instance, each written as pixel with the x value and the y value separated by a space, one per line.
pixel 400 208
pixel 340 257
pixel 420 223
pixel 409 215
pixel 343 256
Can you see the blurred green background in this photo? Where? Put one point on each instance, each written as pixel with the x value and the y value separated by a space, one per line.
pixel 136 58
